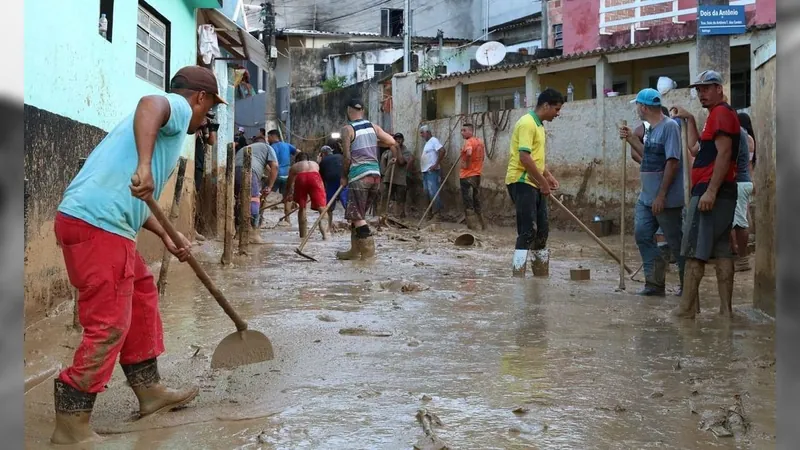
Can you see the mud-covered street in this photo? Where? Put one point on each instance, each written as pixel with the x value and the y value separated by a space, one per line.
pixel 504 363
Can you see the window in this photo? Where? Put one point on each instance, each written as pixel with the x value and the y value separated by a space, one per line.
pixel 107 8
pixel 391 22
pixel 501 102
pixel 152 48
pixel 558 39
pixel 740 88
pixel 617 86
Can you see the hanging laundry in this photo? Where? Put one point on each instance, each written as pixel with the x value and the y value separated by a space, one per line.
pixel 208 46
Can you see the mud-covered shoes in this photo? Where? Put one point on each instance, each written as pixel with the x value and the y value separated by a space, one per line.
pixel 73 411
pixel 155 397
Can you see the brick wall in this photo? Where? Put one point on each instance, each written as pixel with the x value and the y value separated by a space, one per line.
pixel 629 13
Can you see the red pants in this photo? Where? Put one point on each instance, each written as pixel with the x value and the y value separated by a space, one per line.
pixel 117 303
pixel 309 184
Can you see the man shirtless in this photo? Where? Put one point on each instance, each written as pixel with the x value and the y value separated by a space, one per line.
pixel 305 181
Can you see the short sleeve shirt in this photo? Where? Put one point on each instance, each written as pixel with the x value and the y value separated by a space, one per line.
pixel 662 143
pixel 263 154
pixel 430 154
pixel 528 137
pixel 474 149
pixel 722 121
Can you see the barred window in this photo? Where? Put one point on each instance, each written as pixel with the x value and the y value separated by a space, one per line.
pixel 151 48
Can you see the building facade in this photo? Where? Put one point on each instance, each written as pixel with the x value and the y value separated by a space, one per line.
pixel 78 86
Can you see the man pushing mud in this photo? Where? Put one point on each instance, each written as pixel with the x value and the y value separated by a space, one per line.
pixel 96 226
pixel 361 176
pixel 305 181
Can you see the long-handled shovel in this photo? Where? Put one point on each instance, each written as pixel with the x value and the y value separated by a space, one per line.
pixel 441 186
pixel 389 194
pixel 589 232
pixel 299 250
pixel 622 211
pixel 237 349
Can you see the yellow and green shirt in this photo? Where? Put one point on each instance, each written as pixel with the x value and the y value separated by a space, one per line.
pixel 528 136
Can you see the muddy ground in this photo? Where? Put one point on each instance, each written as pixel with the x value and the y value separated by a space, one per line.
pixel 504 363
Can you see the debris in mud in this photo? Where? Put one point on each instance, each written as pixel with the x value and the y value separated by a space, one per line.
pixel 361 331
pixel 617 408
pixel 727 422
pixel 520 410
pixel 677 366
pixel 514 430
pixel 326 318
pixel 369 394
pixel 426 398
pixel 430 441
pixel 413 343
pixel 403 286
pixel 656 395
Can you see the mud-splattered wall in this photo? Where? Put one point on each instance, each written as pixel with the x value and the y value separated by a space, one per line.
pixel 588 171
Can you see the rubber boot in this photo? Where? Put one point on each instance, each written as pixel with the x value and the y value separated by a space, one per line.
pixel 725 270
pixel 519 263
pixel 73 411
pixel 302 222
pixel 481 221
pixel 399 210
pixel 540 263
pixel 690 300
pixel 255 236
pixel 472 220
pixel 367 247
pixel 354 252
pixel 153 396
pixel 655 285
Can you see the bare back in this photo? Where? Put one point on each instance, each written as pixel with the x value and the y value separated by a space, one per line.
pixel 305 166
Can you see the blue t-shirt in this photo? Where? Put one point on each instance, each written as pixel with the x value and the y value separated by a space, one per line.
pixel 743 159
pixel 284 151
pixel 100 194
pixel 661 143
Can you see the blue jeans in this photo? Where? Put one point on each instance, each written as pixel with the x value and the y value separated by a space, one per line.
pixel 645 227
pixel 430 181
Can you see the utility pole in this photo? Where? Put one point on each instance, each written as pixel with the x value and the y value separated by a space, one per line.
pixel 713 52
pixel 268 36
pixel 407 37
pixel 440 36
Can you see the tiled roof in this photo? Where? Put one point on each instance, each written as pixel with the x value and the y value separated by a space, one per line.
pixel 581 55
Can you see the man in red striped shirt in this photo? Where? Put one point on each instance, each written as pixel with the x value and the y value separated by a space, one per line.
pixel 710 212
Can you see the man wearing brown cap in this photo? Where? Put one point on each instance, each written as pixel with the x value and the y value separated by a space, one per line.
pixel 709 215
pixel 96 226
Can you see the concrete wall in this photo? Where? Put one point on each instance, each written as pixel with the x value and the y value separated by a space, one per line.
pixel 78 86
pixel 583 152
pixel 508 10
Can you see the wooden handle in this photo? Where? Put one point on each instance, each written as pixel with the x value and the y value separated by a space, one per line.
pixel 241 325
pixel 319 219
pixel 389 194
pixel 441 186
pixel 589 232
pixel 622 210
pixel 266 207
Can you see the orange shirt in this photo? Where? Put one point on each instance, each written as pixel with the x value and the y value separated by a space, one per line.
pixel 475 150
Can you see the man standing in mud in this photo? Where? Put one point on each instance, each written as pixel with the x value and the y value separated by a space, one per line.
pixel 96 226
pixel 529 182
pixel 660 203
pixel 305 181
pixel 285 152
pixel 263 172
pixel 472 156
pixel 362 177
pixel 706 233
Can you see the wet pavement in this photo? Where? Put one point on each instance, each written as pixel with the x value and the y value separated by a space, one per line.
pixel 362 346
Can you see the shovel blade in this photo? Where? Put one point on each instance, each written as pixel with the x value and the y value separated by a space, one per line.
pixel 242 348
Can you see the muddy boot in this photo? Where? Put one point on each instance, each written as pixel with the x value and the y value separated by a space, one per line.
pixel 153 396
pixel 481 221
pixel 725 269
pixel 367 247
pixel 540 263
pixel 302 223
pixel 354 252
pixel 690 300
pixel 255 236
pixel 472 220
pixel 73 411
pixel 519 263
pixel 399 210
pixel 655 285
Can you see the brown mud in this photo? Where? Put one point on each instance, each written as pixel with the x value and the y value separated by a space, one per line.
pixel 505 363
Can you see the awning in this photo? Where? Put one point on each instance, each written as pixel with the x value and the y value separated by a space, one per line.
pixel 234 39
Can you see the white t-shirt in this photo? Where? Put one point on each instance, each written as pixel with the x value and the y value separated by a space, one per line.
pixel 430 154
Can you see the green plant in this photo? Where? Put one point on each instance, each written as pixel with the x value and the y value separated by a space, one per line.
pixel 334 83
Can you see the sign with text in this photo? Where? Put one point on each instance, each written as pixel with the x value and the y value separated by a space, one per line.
pixel 719 20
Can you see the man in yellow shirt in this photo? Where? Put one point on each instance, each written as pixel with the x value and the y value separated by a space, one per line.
pixel 529 182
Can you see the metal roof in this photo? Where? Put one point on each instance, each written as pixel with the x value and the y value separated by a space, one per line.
pixel 581 55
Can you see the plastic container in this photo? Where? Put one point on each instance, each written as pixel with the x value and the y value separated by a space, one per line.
pixel 103 26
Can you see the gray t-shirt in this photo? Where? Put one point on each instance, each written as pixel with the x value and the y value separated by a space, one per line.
pixel 262 154
pixel 661 143
pixel 743 159
pixel 400 172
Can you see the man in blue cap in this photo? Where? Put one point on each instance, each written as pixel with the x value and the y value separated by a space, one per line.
pixel 660 202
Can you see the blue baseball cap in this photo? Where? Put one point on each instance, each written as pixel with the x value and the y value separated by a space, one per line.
pixel 648 97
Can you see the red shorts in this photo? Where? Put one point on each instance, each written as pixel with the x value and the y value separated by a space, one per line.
pixel 117 303
pixel 309 184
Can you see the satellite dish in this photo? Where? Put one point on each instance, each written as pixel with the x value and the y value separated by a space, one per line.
pixel 490 53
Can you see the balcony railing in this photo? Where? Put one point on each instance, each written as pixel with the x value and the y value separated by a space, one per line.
pixel 672 11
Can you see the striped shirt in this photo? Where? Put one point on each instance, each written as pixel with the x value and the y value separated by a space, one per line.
pixel 363 151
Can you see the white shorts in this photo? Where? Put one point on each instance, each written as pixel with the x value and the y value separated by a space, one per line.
pixel 742 204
